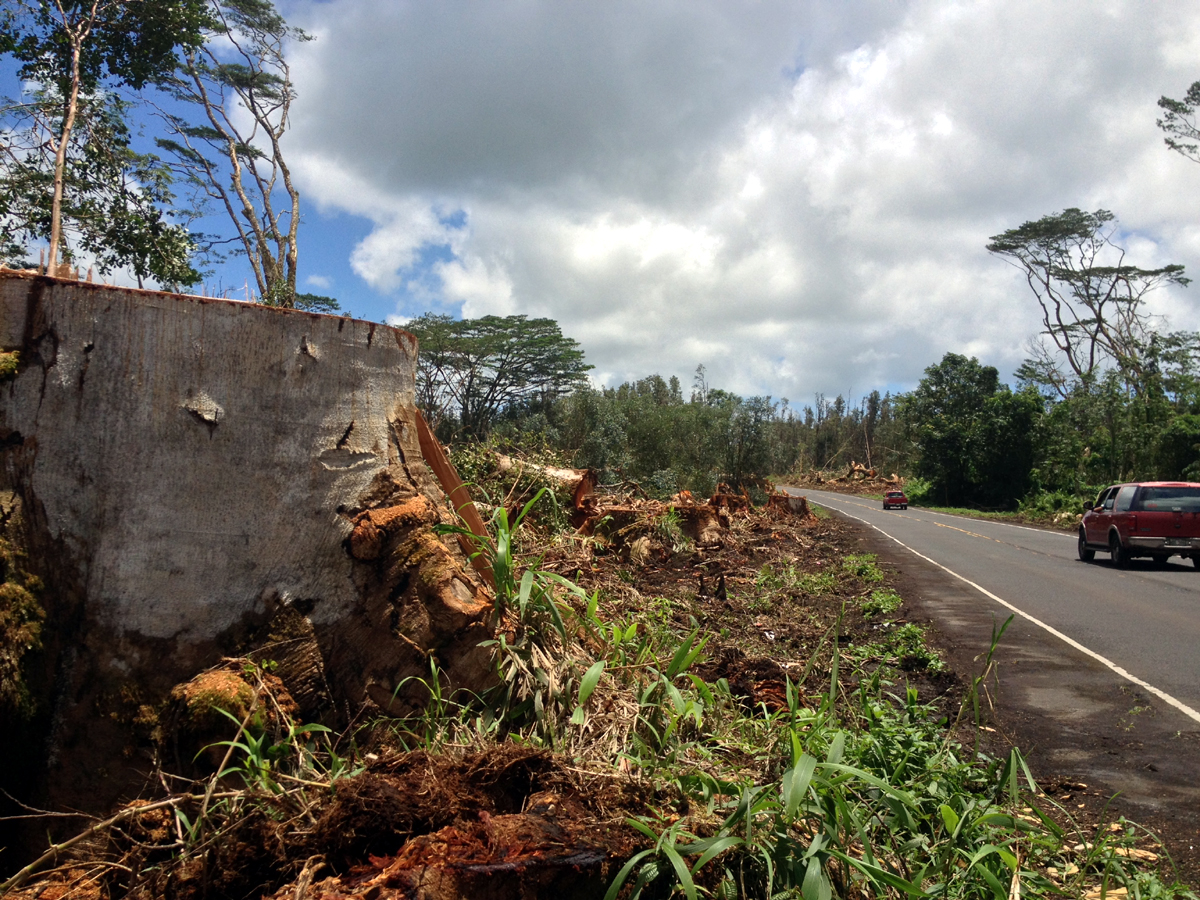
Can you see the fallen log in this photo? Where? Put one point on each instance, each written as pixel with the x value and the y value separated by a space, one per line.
pixel 580 483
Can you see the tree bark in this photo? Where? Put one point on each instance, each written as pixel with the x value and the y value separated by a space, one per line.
pixel 200 478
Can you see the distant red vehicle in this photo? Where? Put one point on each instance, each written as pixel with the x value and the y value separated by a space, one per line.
pixel 895 498
pixel 1158 519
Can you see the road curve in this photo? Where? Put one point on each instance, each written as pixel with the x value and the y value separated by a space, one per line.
pixel 1144 621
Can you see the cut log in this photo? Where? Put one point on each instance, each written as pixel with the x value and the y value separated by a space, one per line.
pixel 580 483
pixel 196 478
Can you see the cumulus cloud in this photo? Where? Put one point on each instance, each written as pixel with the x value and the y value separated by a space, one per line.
pixel 796 195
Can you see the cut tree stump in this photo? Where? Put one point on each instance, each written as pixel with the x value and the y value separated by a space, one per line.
pixel 195 478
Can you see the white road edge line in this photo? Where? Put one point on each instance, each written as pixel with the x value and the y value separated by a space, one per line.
pixel 1071 642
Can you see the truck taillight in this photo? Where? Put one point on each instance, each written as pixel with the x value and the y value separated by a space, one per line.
pixel 1133 523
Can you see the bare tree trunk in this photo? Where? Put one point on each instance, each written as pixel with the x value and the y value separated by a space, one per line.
pixel 64 139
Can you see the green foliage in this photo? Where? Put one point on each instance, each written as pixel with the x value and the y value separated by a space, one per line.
pixel 72 120
pixel 21 614
pixel 881 602
pixel 543 685
pixel 316 303
pixel 669 528
pixel 1092 302
pixel 645 431
pixel 130 43
pixel 1119 396
pixel 10 361
pixel 1179 123
pixel 259 756
pixel 21 618
pixel 862 566
pixel 908 644
pixel 471 370
pixel 816 583
pixel 975 436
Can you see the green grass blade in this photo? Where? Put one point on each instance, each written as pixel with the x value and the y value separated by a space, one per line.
pixel 880 876
pixel 795 785
pixel 681 871
pixel 590 679
pixel 619 882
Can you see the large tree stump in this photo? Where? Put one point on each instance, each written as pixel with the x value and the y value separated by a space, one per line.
pixel 194 478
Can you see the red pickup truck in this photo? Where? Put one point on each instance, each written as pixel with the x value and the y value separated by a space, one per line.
pixel 1158 519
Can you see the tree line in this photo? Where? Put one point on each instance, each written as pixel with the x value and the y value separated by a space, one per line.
pixel 1106 395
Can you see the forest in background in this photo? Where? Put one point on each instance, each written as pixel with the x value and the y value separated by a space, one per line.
pixel 1107 394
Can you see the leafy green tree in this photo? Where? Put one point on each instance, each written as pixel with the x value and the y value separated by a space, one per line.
pixel 1179 122
pixel 316 303
pixel 975 436
pixel 67 163
pixel 469 370
pixel 1092 302
pixel 748 451
pixel 239 86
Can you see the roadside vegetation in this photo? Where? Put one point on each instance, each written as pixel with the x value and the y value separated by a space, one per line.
pixel 799 736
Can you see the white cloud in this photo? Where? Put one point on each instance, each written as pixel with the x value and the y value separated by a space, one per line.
pixel 483 290
pixel 319 281
pixel 796 195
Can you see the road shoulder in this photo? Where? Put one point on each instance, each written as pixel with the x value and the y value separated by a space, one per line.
pixel 1076 721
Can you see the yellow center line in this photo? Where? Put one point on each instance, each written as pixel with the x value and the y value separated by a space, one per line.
pixel 938 524
pixel 971 533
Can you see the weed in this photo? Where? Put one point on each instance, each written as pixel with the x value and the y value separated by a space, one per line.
pixel 862 566
pixel 817 583
pixel 770 578
pixel 669 528
pixel 10 361
pixel 1130 718
pixel 262 757
pixel 908 643
pixel 881 602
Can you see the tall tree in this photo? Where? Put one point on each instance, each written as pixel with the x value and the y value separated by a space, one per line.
pixel 469 370
pixel 68 160
pixel 240 85
pixel 1092 302
pixel 1179 122
pixel 975 435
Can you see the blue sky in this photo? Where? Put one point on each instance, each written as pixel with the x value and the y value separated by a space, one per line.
pixel 794 194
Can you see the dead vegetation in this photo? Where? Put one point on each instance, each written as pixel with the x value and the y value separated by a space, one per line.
pixel 855 479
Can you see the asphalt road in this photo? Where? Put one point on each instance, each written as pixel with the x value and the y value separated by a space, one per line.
pixel 1098 675
pixel 1142 620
